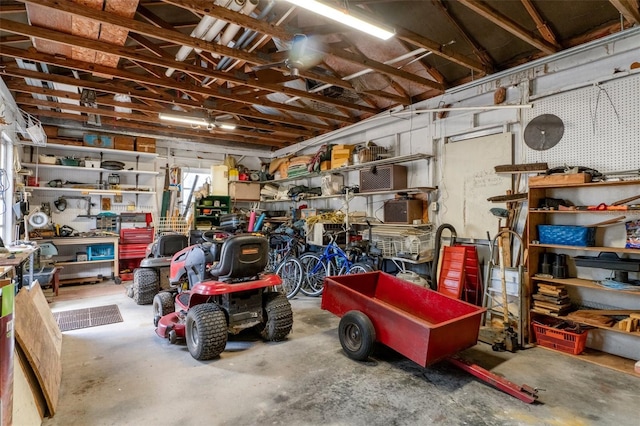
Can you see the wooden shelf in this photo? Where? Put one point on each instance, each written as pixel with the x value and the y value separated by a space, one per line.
pixel 578 248
pixel 88 191
pixel 623 365
pixel 609 212
pixel 107 151
pixel 358 194
pixel 580 282
pixel 587 184
pixel 392 160
pixel 83 262
pixel 601 327
pixel 90 169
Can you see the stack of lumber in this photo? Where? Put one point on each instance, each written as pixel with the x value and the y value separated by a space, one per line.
pixel 630 324
pixel 551 299
pixel 607 318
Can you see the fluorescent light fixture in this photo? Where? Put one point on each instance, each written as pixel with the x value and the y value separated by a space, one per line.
pixel 226 126
pixel 347 17
pixel 184 119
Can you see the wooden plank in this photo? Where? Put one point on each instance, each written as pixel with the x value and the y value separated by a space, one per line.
pixel 51 19
pixel 86 28
pixel 38 335
pixel 113 34
pixel 559 179
pixel 22 364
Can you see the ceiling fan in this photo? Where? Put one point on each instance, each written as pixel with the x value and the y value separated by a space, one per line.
pixel 303 55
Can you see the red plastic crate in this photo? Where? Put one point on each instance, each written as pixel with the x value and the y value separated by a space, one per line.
pixel 560 340
pixel 136 235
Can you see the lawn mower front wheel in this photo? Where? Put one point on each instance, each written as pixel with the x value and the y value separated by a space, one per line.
pixel 206 331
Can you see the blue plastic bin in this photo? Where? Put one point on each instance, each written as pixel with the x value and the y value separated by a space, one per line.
pixel 100 252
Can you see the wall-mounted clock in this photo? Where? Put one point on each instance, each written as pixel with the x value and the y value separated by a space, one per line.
pixel 544 132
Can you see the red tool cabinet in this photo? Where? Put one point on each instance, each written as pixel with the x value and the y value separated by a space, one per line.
pixel 133 243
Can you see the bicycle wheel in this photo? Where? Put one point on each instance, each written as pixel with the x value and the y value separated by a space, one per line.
pixel 291 273
pixel 315 272
pixel 360 268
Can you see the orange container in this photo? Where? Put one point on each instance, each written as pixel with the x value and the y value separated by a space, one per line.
pixel 560 340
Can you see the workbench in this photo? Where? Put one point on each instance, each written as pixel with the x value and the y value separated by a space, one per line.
pixel 16 259
pixel 83 242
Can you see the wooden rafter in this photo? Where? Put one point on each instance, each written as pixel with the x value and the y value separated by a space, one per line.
pixel 158 95
pixel 131 54
pixel 630 9
pixel 205 7
pixel 478 50
pixel 153 109
pixel 119 126
pixel 543 28
pixel 440 50
pixel 509 25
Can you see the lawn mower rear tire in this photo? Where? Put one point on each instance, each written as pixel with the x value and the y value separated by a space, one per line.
pixel 278 317
pixel 145 285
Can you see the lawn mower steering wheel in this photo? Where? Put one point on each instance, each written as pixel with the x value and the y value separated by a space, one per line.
pixel 215 236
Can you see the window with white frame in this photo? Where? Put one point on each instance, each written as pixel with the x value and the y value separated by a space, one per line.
pixel 192 180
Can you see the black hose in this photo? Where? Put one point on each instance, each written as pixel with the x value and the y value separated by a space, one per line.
pixel 436 254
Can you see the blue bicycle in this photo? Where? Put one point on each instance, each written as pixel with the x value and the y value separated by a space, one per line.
pixel 332 261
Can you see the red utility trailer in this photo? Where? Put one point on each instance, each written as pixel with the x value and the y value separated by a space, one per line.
pixel 421 324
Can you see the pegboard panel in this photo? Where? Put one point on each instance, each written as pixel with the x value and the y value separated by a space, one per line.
pixel 602 126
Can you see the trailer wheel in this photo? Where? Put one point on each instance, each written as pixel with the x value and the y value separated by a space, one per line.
pixel 145 285
pixel 357 335
pixel 163 304
pixel 206 331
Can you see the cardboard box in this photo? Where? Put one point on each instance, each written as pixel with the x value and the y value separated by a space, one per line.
pixel 98 141
pixel 559 179
pixel 145 144
pixel 244 190
pixel 325 165
pixel 125 143
pixel 50 131
pixel 339 162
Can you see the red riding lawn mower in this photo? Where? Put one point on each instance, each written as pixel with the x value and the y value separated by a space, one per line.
pixel 220 287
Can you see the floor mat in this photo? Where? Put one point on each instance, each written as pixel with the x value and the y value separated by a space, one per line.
pixel 87 317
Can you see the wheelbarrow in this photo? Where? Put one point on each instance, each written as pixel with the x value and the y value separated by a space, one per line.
pixel 417 322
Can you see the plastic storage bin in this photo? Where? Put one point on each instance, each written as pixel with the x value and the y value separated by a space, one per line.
pixel 560 340
pixel 100 252
pixel 566 235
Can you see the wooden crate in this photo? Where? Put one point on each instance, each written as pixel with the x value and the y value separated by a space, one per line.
pixel 145 144
pixel 559 179
pixel 125 143
pixel 98 141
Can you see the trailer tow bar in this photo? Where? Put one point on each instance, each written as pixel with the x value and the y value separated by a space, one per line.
pixel 524 393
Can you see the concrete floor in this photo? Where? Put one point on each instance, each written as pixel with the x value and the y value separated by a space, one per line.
pixel 123 374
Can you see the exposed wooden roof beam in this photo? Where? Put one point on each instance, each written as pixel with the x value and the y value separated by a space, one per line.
pixel 231 135
pixel 544 29
pixel 205 7
pixel 630 9
pixel 440 50
pixel 22 87
pixel 131 54
pixel 110 124
pixel 478 50
pixel 156 96
pixel 509 25
pixel 164 82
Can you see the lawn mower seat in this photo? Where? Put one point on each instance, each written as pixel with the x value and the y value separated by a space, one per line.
pixel 242 256
pixel 170 244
